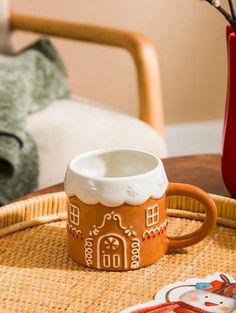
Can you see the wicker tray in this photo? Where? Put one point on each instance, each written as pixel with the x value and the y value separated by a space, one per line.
pixel 37 275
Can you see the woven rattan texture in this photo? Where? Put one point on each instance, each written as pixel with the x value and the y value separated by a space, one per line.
pixel 37 275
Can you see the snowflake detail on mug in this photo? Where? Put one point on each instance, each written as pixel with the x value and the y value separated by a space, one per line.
pixel 70 181
pixel 160 179
pixel 133 189
pixel 92 186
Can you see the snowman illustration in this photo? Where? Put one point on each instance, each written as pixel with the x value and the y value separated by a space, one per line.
pixel 193 296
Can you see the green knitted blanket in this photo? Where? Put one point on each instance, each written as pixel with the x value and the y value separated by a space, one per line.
pixel 29 81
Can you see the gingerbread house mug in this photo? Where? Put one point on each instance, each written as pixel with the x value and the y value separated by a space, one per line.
pixel 117 210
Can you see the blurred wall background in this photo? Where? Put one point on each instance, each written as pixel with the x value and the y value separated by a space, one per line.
pixel 189 37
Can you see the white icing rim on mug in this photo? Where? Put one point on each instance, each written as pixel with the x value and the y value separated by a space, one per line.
pixel 96 177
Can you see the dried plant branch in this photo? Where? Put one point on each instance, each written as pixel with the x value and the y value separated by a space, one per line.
pixel 231 5
pixel 229 18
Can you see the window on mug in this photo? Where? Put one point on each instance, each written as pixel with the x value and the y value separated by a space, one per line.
pixel 152 215
pixel 74 214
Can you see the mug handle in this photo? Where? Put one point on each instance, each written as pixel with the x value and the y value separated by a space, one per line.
pixel 209 222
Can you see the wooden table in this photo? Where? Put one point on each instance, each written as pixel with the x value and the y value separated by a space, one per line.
pixel 201 170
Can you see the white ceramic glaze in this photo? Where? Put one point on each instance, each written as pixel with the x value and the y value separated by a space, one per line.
pixel 116 176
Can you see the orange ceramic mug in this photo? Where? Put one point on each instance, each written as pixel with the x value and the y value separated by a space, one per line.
pixel 117 214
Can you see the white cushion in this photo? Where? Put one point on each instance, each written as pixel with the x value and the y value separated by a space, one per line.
pixel 71 126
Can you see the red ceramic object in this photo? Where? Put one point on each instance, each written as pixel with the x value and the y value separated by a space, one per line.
pixel 228 162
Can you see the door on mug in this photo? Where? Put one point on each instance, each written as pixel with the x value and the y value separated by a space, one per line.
pixel 112 252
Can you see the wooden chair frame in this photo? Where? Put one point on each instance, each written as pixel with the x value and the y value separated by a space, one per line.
pixel 140 48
